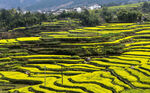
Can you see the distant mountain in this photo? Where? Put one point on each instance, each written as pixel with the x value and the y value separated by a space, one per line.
pixel 56 4
pixel 7 4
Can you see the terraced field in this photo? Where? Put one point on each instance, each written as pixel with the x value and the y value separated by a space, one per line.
pixel 57 62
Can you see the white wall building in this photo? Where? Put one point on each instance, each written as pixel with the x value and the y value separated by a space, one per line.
pixel 96 6
pixel 78 9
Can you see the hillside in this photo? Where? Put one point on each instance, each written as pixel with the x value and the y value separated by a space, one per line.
pixel 127 6
pixel 55 4
pixel 57 60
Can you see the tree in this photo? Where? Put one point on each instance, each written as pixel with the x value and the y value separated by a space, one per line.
pixel 146 7
pixel 90 18
pixel 106 14
pixel 129 16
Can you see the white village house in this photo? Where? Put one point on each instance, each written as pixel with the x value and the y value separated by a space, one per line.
pixel 96 6
pixel 78 9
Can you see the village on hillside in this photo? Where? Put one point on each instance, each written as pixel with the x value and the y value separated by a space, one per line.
pixel 77 9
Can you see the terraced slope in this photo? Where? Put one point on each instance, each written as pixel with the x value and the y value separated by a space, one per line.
pixel 56 63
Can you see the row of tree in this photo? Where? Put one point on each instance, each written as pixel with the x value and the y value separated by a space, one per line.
pixel 93 18
pixel 16 18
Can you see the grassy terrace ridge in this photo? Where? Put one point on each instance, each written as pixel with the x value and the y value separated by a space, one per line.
pixel 125 6
pixel 57 60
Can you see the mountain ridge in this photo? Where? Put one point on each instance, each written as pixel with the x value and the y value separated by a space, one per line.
pixel 34 5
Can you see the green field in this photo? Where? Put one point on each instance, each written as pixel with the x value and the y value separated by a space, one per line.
pixel 55 59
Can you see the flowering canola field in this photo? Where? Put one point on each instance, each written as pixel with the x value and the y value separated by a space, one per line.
pixel 55 68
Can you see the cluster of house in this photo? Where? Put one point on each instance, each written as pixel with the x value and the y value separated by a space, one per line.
pixel 77 9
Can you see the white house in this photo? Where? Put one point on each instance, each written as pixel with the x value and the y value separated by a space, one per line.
pixel 78 9
pixel 96 6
